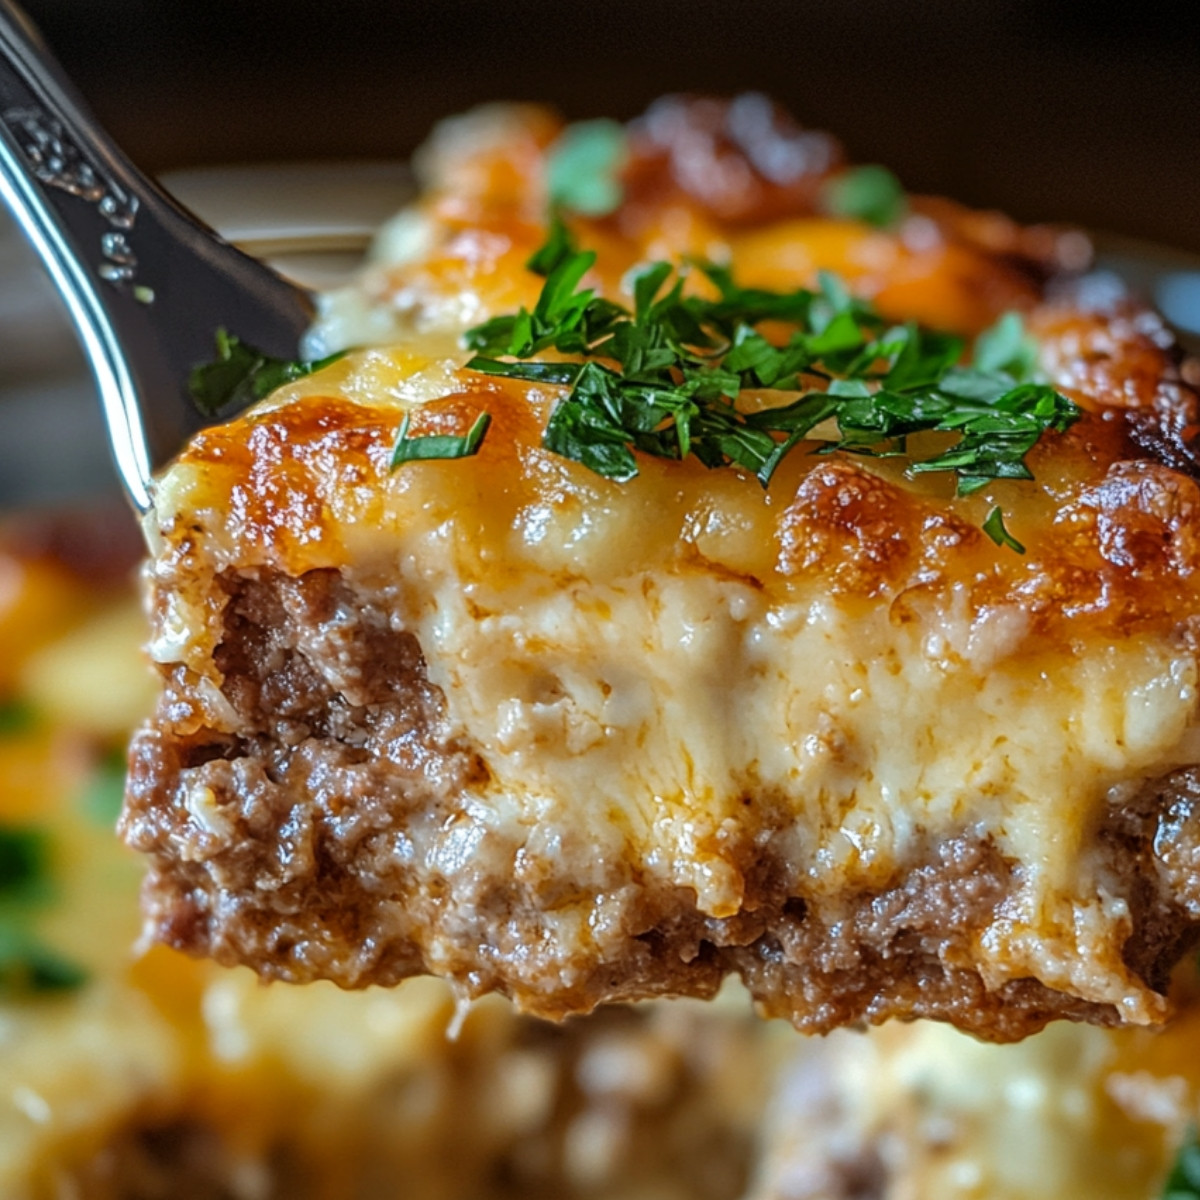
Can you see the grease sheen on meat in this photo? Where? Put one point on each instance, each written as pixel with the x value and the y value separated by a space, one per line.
pixel 508 722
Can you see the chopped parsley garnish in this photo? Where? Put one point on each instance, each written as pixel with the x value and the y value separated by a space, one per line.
pixel 28 966
pixel 869 193
pixel 16 716
pixel 240 375
pixel 23 861
pixel 1183 1183
pixel 557 247
pixel 664 378
pixel 582 165
pixel 104 793
pixel 994 528
pixel 413 449
pixel 1007 348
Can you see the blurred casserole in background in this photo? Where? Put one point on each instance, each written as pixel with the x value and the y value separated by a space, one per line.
pixel 142 1077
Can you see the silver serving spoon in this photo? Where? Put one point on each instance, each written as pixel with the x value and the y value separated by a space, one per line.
pixel 147 284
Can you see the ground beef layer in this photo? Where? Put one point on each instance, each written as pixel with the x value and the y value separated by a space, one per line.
pixel 331 840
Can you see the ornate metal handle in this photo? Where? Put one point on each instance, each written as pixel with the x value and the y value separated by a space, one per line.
pixel 145 282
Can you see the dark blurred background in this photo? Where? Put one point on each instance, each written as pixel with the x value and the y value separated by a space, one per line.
pixel 1055 110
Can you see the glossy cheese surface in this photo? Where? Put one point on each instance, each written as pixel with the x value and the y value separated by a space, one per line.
pixel 658 678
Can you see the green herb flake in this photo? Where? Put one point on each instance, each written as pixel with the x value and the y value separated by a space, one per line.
pixel 1183 1183
pixel 581 170
pixel 24 860
pixel 1007 348
pixel 557 247
pixel 868 193
pixel 240 375
pixel 16 717
pixel 28 967
pixel 994 528
pixel 415 449
pixel 664 379
pixel 104 793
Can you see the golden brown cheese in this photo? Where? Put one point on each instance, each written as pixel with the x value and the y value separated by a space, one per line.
pixel 511 723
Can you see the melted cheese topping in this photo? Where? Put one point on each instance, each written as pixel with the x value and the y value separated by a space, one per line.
pixel 649 669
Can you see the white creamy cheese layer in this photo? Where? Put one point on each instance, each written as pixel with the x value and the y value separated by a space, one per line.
pixel 643 713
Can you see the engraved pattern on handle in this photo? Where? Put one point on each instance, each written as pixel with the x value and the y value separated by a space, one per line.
pixel 58 161
pixel 144 281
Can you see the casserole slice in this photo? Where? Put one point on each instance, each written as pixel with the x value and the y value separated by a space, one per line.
pixel 470 667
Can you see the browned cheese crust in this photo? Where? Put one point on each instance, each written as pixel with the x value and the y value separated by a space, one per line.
pixel 314 805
